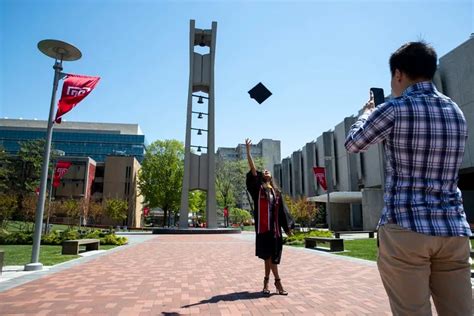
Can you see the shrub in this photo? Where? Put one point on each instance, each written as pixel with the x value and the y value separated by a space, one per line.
pixel 52 238
pixel 57 237
pixel 112 239
pixel 298 237
pixel 16 238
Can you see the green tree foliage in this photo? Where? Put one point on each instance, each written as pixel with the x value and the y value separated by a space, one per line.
pixel 8 205
pixel 197 200
pixel 27 167
pixel 304 212
pixel 230 181
pixel 161 176
pixel 72 209
pixel 96 210
pixel 116 209
pixel 239 216
pixel 226 173
pixel 5 171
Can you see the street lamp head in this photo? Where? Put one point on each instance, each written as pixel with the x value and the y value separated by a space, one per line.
pixel 199 149
pixel 200 116
pixel 59 50
pixel 199 132
pixel 200 101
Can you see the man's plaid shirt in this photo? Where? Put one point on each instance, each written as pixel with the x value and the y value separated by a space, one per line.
pixel 424 134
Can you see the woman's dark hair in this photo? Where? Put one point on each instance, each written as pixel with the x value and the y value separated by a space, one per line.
pixel 417 60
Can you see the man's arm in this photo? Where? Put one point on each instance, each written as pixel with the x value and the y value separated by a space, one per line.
pixel 372 127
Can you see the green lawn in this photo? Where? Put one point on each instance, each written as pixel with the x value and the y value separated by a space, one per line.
pixel 49 255
pixel 363 248
pixel 249 228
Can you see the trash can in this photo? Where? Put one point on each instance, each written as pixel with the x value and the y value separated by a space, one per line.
pixel 1 261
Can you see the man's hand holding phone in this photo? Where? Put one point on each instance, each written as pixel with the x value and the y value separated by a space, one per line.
pixel 369 107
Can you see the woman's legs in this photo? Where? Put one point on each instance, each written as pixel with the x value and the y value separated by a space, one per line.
pixel 278 285
pixel 268 263
pixel 274 268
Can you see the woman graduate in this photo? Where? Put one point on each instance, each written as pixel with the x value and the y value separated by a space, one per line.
pixel 270 216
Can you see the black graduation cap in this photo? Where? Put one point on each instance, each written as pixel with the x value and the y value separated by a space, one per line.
pixel 260 93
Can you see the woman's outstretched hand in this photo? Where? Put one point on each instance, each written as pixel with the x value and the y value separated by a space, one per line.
pixel 248 142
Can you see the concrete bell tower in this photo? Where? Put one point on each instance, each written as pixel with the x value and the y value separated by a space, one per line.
pixel 200 170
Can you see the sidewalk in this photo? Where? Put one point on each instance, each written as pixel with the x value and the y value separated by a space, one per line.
pixel 201 275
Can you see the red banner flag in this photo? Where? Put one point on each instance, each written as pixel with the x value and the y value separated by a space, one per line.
pixel 61 168
pixel 320 174
pixel 75 88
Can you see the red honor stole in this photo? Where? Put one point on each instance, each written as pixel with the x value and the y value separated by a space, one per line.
pixel 264 213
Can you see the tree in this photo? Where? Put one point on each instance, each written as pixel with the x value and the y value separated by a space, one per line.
pixel 225 188
pixel 27 211
pixel 5 171
pixel 230 181
pixel 28 166
pixel 116 209
pixel 96 211
pixel 239 216
pixel 161 176
pixel 72 209
pixel 303 211
pixel 8 205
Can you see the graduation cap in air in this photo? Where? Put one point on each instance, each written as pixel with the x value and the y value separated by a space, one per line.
pixel 260 93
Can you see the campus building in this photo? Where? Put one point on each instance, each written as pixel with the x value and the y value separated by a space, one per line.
pixel 79 139
pixel 268 149
pixel 355 181
pixel 105 160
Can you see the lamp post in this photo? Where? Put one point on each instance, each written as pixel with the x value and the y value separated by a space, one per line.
pixel 58 153
pixel 60 51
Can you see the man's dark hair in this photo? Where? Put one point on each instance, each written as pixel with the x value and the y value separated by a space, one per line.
pixel 416 59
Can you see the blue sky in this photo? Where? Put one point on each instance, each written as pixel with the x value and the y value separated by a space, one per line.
pixel 319 58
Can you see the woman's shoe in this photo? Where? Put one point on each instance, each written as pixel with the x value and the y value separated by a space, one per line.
pixel 279 287
pixel 265 286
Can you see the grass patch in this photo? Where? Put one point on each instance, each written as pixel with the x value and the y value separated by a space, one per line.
pixel 361 248
pixel 16 255
pixel 365 249
pixel 249 228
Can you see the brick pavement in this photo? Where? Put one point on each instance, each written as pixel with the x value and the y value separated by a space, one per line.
pixel 201 275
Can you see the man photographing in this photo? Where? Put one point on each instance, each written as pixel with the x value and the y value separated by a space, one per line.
pixel 423 231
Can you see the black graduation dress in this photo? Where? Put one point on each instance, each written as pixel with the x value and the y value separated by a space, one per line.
pixel 270 215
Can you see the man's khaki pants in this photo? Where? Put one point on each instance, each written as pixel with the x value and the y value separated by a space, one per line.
pixel 414 266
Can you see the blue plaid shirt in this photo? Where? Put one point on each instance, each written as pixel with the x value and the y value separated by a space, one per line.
pixel 424 135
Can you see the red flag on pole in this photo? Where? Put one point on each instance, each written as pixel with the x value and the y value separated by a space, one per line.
pixel 320 174
pixel 61 168
pixel 75 88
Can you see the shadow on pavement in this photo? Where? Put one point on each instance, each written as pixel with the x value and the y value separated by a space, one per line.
pixel 231 297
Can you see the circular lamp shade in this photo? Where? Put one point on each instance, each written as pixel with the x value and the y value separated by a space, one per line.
pixel 59 50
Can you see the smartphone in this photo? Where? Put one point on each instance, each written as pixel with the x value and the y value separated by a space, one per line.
pixel 378 95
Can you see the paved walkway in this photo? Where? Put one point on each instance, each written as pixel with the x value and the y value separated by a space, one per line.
pixel 202 275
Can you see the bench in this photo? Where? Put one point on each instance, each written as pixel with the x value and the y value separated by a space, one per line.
pixel 71 247
pixel 335 244
pixel 370 232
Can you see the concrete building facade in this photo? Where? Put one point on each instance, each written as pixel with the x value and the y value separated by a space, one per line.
pixel 267 149
pixel 355 181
